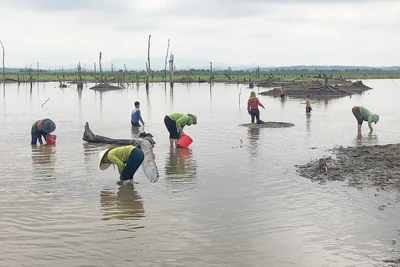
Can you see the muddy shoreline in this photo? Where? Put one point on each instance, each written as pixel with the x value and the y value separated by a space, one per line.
pixel 301 88
pixel 370 166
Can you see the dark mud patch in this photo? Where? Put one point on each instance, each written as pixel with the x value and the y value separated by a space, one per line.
pixel 105 87
pixel 268 124
pixel 301 89
pixel 371 166
pixel 393 263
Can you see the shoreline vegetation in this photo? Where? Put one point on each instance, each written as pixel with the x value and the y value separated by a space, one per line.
pixel 296 82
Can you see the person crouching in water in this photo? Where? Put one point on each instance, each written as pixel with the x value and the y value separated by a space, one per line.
pixel 175 123
pixel 308 104
pixel 127 158
pixel 252 108
pixel 41 128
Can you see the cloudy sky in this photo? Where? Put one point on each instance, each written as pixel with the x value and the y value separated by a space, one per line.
pixel 265 32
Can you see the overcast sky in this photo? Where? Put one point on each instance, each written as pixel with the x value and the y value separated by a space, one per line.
pixel 265 32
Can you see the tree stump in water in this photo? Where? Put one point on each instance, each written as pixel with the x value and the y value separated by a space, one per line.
pixel 146 145
pixel 327 87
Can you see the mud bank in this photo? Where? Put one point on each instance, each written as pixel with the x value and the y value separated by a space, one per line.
pixel 268 124
pixel 300 89
pixel 373 166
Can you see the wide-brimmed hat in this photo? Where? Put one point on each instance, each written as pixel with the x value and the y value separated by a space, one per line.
pixel 102 163
pixel 48 125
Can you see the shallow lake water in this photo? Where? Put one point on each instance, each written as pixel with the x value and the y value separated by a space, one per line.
pixel 233 198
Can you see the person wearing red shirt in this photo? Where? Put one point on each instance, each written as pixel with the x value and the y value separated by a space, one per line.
pixel 252 108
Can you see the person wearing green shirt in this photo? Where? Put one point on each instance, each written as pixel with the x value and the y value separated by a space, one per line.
pixel 363 114
pixel 175 123
pixel 127 158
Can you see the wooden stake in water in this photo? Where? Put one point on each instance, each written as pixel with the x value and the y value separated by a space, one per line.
pixel 239 96
pixel 45 101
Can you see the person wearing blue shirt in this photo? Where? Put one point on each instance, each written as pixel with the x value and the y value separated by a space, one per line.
pixel 136 117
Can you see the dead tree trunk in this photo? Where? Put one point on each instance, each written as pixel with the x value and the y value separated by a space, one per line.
pixel 148 69
pixel 79 82
pixel 210 71
pixel 166 58
pixel 146 145
pixel 4 52
pixel 101 72
pixel 172 69
pixel 94 66
pixel 327 87
pixel 62 83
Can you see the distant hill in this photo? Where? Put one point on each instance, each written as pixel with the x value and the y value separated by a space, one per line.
pixel 157 63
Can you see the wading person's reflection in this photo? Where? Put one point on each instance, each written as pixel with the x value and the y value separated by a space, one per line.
pixel 308 121
pixel 254 136
pixel 43 161
pixel 179 164
pixel 126 204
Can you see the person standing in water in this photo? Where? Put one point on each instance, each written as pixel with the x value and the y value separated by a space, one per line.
pixel 136 115
pixel 175 123
pixel 252 108
pixel 362 114
pixel 308 103
pixel 283 92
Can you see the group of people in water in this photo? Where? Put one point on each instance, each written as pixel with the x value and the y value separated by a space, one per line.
pixel 360 113
pixel 129 158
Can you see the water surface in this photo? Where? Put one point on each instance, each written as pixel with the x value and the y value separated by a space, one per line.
pixel 232 199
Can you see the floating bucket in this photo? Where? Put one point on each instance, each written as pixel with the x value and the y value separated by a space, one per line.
pixel 184 141
pixel 51 139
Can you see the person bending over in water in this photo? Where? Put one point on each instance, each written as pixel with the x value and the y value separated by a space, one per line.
pixel 252 108
pixel 175 123
pixel 127 158
pixel 363 114
pixel 41 128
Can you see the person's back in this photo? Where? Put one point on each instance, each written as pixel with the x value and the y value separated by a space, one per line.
pixel 136 116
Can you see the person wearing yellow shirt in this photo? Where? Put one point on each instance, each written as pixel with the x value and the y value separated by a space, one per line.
pixel 127 158
pixel 175 123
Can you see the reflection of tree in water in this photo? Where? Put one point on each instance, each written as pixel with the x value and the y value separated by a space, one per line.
pixel 43 161
pixel 180 164
pixel 125 205
pixel 254 136
pixel 171 94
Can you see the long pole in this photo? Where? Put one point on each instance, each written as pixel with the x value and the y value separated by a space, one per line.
pixel 4 52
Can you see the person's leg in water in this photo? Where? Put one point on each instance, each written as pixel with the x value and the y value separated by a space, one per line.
pixel 34 135
pixel 173 132
pixel 357 114
pixel 252 114
pixel 134 161
pixel 257 113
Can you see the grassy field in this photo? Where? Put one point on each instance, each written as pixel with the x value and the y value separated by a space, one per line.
pixel 203 76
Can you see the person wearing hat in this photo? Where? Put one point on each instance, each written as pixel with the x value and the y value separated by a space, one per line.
pixel 127 158
pixel 136 116
pixel 362 114
pixel 41 128
pixel 175 123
